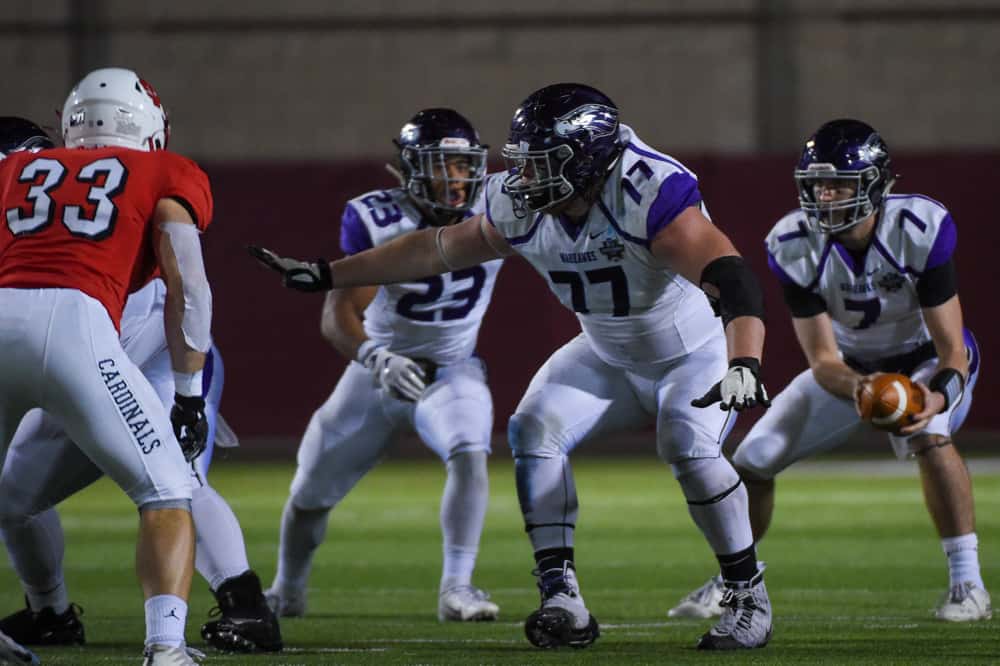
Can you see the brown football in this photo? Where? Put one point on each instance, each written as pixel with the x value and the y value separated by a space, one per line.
pixel 889 401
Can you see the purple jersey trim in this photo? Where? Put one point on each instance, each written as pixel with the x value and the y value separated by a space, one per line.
pixel 973 347
pixel 803 232
pixel 916 196
pixel 779 272
pixel 856 267
pixel 884 251
pixel 354 236
pixel 621 232
pixel 571 228
pixel 822 265
pixel 524 238
pixel 944 244
pixel 678 192
pixel 658 158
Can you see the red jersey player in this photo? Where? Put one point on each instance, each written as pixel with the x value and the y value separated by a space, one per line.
pixel 80 230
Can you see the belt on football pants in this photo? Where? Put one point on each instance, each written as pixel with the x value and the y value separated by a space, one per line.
pixel 901 363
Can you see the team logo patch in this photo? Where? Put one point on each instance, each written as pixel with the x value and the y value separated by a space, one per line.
pixel 595 120
pixel 891 282
pixel 612 248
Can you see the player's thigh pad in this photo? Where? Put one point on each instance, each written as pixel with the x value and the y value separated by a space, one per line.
pixel 24 322
pixel 684 431
pixel 108 407
pixel 804 420
pixel 345 437
pixel 43 468
pixel 572 397
pixel 455 413
pixel 949 421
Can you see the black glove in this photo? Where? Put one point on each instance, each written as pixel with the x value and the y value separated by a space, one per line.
pixel 740 389
pixel 300 275
pixel 190 424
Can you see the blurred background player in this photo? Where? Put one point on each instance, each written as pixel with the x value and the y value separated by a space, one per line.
pixel 81 229
pixel 42 449
pixel 621 235
pixel 413 345
pixel 870 280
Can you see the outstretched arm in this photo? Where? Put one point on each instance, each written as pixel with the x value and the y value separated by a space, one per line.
pixel 409 257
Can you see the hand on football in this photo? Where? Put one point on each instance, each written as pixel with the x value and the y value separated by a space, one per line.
pixel 299 275
pixel 933 404
pixel 190 425
pixel 863 382
pixel 396 373
pixel 740 389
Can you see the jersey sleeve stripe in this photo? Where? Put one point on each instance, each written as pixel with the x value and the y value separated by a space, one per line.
pixel 779 272
pixel 944 244
pixel 354 236
pixel 678 192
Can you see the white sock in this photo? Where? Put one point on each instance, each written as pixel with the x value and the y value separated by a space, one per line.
pixel 220 553
pixel 166 616
pixel 963 559
pixel 463 509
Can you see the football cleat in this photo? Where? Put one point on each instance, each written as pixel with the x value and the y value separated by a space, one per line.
pixel 12 653
pixel 703 602
pixel 166 655
pixel 965 602
pixel 45 627
pixel 247 623
pixel 465 603
pixel 563 619
pixel 285 603
pixel 746 618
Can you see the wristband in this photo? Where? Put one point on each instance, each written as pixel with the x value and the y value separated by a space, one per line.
pixel 365 350
pixel 188 384
pixel 748 362
pixel 950 383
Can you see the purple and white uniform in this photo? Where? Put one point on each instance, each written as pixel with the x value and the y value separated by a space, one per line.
pixel 872 300
pixel 650 341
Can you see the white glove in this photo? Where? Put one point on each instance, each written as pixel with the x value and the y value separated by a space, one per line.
pixel 740 389
pixel 399 375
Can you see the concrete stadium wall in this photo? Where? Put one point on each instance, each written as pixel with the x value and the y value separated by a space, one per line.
pixel 311 79
pixel 278 369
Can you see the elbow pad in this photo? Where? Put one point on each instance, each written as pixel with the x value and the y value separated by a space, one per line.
pixel 739 292
pixel 197 322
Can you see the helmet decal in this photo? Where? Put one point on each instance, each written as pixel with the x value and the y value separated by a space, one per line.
pixel 596 120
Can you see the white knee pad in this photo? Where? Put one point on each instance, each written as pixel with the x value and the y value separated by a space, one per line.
pixel 706 480
pixel 528 437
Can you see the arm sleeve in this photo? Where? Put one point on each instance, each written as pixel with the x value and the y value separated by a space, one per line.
pixel 937 284
pixel 354 236
pixel 188 185
pixel 802 302
pixel 677 192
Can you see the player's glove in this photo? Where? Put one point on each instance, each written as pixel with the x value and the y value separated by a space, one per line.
pixel 401 376
pixel 190 424
pixel 740 389
pixel 300 275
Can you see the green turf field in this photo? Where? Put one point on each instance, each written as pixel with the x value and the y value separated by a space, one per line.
pixel 853 571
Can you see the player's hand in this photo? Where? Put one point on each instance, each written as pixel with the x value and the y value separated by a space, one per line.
pixel 399 375
pixel 933 404
pixel 740 389
pixel 190 424
pixel 300 275
pixel 860 385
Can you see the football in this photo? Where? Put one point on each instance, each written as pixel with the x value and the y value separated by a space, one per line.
pixel 889 401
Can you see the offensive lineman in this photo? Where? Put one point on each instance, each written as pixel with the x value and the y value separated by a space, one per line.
pixel 869 278
pixel 81 229
pixel 42 449
pixel 620 233
pixel 414 367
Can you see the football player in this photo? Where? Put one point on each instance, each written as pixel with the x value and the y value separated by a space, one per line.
pixel 414 367
pixel 869 278
pixel 621 235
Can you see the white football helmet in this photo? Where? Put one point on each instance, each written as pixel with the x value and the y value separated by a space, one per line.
pixel 114 107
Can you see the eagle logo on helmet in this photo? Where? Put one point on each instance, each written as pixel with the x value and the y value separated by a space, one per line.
pixel 596 120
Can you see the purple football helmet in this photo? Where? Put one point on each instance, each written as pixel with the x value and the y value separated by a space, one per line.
pixel 844 150
pixel 563 141
pixel 440 144
pixel 20 134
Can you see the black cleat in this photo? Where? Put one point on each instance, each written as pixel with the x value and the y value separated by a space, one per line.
pixel 45 627
pixel 552 627
pixel 246 624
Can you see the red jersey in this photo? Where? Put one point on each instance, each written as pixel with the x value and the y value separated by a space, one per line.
pixel 81 218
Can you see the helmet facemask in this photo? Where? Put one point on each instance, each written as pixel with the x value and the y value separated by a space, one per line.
pixel 837 216
pixel 446 177
pixel 536 179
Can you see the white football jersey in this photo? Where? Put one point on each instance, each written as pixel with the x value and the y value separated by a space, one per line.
pixel 436 317
pixel 872 300
pixel 632 310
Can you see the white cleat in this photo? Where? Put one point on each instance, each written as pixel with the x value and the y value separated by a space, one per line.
pixel 465 603
pixel 965 602
pixel 165 655
pixel 284 603
pixel 703 602
pixel 14 653
pixel 746 618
